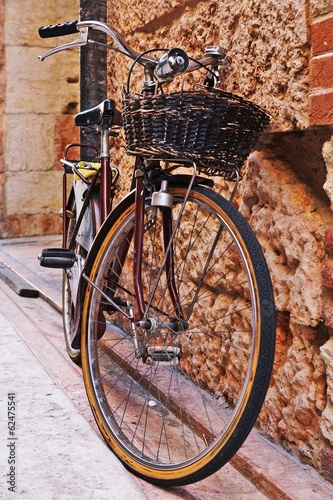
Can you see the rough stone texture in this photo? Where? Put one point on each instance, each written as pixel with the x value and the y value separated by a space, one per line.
pixel 286 191
pixel 267 41
pixel 327 275
pixel 291 225
pixel 326 463
pixel 294 228
pixel 327 417
pixel 328 241
pixel 320 7
pixel 328 157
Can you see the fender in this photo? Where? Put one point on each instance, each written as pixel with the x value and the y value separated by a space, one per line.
pixel 182 179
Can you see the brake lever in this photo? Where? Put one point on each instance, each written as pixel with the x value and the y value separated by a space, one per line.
pixel 81 40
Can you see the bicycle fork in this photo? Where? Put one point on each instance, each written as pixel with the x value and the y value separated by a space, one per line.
pixel 163 201
pixel 155 351
pixel 167 352
pixel 146 311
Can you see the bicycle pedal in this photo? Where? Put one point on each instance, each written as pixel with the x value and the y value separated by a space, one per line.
pixel 162 354
pixel 57 258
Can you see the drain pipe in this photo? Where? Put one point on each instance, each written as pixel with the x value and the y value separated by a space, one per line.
pixel 92 68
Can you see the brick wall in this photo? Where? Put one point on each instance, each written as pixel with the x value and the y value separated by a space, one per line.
pixel 321 72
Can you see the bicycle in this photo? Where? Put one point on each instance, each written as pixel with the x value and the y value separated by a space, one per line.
pixel 172 308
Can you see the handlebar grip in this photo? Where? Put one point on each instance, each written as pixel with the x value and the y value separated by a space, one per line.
pixel 50 31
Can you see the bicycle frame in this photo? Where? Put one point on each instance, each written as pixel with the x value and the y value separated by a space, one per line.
pixel 137 237
pixel 100 207
pixel 91 184
pixel 102 115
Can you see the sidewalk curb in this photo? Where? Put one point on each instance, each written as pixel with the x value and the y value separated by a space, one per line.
pixel 17 283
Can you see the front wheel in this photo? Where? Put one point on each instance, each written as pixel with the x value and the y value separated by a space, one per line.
pixel 176 394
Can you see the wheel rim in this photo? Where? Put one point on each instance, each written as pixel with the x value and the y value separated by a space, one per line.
pixel 171 407
pixel 70 280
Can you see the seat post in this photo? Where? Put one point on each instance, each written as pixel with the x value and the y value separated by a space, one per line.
pixel 105 170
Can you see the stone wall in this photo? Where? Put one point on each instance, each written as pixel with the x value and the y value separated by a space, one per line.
pixel 286 192
pixel 39 99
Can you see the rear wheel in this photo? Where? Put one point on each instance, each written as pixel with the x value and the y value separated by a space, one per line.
pixel 176 394
pixel 69 286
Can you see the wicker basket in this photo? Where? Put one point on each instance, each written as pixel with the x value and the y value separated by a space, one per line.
pixel 215 129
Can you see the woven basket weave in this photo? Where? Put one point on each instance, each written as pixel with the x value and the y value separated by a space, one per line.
pixel 215 129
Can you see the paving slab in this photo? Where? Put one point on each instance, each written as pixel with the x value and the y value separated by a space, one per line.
pixel 48 449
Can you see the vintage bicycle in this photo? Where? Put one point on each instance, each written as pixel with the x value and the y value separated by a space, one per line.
pixel 167 298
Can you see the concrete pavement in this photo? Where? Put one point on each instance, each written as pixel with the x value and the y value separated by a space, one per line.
pixel 48 448
pixel 58 454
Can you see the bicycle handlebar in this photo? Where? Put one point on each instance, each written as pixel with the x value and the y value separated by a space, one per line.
pixel 83 28
pixel 50 31
pixel 214 55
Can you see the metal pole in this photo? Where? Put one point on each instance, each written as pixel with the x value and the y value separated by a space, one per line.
pixel 92 68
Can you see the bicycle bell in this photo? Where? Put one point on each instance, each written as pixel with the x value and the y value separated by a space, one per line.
pixel 174 61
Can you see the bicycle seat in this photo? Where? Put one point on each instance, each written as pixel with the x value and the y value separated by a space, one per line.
pixel 106 110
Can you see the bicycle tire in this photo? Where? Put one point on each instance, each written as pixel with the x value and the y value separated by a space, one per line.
pixel 70 275
pixel 159 419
